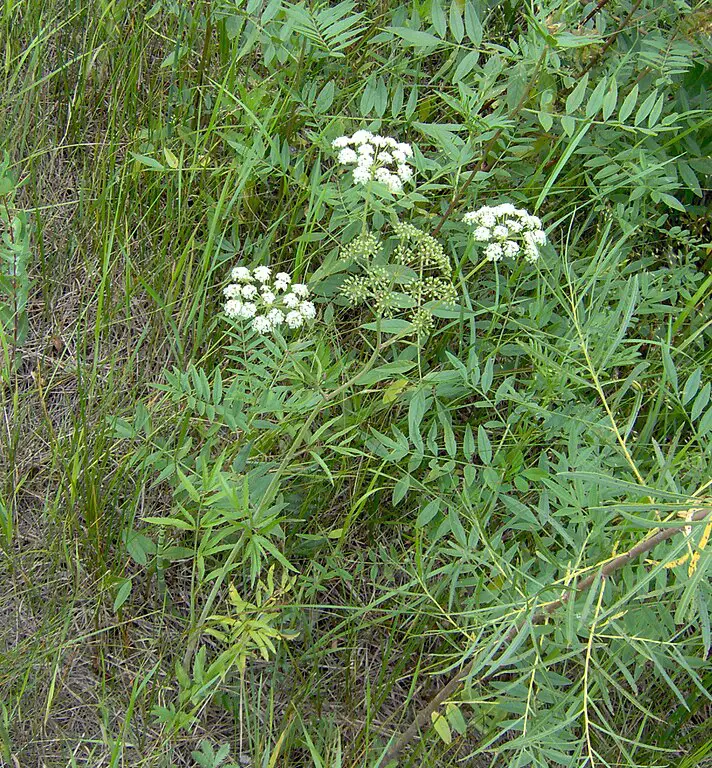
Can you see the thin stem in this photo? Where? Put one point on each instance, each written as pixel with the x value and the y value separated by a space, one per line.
pixel 482 165
pixel 602 394
pixel 597 57
pixel 366 205
pixel 599 6
pixel 482 263
pixel 423 716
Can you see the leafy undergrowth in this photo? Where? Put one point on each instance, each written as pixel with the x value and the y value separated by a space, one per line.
pixel 273 543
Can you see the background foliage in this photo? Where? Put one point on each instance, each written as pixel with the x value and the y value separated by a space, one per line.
pixel 218 548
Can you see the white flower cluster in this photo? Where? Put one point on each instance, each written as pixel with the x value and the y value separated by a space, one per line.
pixel 508 230
pixel 268 302
pixel 379 158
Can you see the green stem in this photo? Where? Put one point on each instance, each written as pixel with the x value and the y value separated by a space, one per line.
pixel 364 215
pixel 471 274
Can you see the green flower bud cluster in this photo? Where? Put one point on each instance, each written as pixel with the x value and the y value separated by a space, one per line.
pixel 434 289
pixel 420 250
pixel 362 248
pixel 377 287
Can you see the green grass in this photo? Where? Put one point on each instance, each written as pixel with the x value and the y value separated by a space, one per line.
pixel 423 497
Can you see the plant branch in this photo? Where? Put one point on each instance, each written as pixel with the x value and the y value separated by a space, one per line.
pixel 482 165
pixel 449 689
pixel 598 56
pixel 599 6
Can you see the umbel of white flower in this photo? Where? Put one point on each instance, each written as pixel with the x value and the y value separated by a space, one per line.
pixel 267 302
pixel 509 231
pixel 376 158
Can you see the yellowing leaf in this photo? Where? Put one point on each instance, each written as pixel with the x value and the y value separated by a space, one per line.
pixel 171 159
pixel 393 390
pixel 442 727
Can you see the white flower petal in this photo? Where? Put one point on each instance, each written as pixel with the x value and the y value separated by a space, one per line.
pixel 347 156
pixel 242 274
pixel 361 136
pixel 233 308
pixel 294 319
pixel 307 310
pixel 262 274
pixel 261 324
pixel 233 291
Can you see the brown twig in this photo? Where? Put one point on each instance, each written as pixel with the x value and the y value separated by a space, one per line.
pixel 449 689
pixel 598 56
pixel 482 165
pixel 600 4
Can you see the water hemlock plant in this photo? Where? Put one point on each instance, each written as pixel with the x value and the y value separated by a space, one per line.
pixel 355 382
